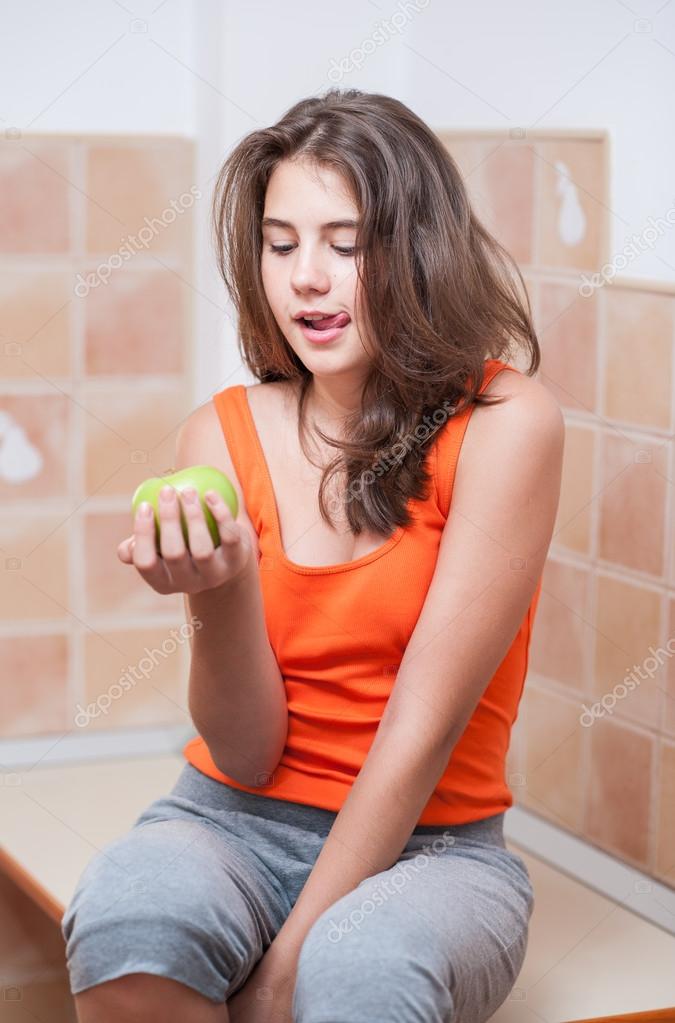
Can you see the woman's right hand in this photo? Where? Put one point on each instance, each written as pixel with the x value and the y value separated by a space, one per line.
pixel 179 570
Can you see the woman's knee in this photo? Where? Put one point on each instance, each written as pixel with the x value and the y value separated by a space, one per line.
pixel 346 973
pixel 137 880
pixel 138 997
pixel 158 901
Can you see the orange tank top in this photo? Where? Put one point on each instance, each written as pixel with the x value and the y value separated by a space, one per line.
pixel 339 643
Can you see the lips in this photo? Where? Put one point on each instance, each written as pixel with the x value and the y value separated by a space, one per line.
pixel 323 336
pixel 311 317
pixel 328 322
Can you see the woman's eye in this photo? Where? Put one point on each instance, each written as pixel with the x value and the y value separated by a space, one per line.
pixel 284 249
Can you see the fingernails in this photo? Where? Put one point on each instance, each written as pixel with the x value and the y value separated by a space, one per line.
pixel 189 495
pixel 211 497
pixel 144 510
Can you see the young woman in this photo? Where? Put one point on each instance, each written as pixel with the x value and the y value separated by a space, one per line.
pixel 333 849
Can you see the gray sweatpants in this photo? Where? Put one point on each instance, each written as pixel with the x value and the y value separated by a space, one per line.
pixel 200 885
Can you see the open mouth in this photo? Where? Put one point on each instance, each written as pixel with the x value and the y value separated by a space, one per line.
pixel 329 322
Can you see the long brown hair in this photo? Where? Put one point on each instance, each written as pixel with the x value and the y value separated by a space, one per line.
pixel 438 291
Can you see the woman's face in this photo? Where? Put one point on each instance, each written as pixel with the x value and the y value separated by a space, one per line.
pixel 308 263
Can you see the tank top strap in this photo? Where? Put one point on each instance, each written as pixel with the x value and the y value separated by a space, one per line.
pixel 233 412
pixel 450 439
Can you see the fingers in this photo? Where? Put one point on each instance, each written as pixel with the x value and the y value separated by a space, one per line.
pixel 199 537
pixel 234 551
pixel 171 542
pixel 172 545
pixel 144 551
pixel 227 527
pixel 124 550
pixel 177 566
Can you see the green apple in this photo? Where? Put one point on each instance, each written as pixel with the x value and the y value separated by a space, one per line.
pixel 202 478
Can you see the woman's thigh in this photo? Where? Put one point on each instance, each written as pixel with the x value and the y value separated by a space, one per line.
pixel 440 937
pixel 176 897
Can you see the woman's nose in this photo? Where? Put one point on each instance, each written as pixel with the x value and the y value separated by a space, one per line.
pixel 308 272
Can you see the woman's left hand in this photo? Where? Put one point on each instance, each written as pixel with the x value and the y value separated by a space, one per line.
pixel 267 995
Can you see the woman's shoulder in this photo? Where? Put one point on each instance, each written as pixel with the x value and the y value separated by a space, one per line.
pixel 265 401
pixel 527 423
pixel 525 397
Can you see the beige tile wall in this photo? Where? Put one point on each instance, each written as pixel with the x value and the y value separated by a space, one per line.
pixel 593 748
pixel 96 364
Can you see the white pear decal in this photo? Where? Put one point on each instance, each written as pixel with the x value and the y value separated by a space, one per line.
pixel 19 459
pixel 571 217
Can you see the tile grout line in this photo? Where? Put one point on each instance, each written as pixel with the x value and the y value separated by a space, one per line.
pixel 591 646
pixel 77 453
pixel 536 199
pixel 659 740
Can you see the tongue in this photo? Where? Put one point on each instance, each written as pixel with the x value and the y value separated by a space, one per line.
pixel 339 320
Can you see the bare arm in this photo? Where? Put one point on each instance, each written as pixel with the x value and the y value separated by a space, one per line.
pixel 236 693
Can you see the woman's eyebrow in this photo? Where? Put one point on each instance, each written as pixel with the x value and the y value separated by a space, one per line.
pixel 275 222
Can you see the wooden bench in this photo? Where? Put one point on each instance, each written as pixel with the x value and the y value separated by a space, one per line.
pixel 56 818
